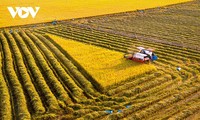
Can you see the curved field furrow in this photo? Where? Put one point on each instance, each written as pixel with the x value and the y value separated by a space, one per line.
pixel 36 103
pixel 65 78
pixel 6 97
pixel 92 115
pixel 53 83
pixel 172 110
pixel 153 101
pixel 38 79
pixel 144 86
pixel 102 36
pixel 44 75
pixel 133 83
pixel 124 39
pixel 189 111
pixel 166 102
pixel 71 68
pixel 19 100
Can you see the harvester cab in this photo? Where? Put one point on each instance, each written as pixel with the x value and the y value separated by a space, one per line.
pixel 144 55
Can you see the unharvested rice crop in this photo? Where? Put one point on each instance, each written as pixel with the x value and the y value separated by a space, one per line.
pixel 69 9
pixel 106 66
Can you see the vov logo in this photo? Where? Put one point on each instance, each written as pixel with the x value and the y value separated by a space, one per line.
pixel 23 12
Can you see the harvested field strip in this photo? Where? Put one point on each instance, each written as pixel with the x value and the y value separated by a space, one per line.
pixel 73 28
pixel 49 99
pixel 106 36
pixel 182 53
pixel 21 110
pixel 160 105
pixel 86 40
pixel 53 82
pixel 160 97
pixel 133 83
pixel 159 31
pixel 144 86
pixel 33 96
pixel 5 98
pixel 188 111
pixel 172 110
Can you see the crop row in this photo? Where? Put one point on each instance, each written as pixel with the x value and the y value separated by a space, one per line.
pixel 5 104
pixel 180 106
pixel 83 39
pixel 125 40
pixel 157 30
pixel 100 34
pixel 162 99
pixel 153 26
pixel 154 92
pixel 20 104
pixel 54 84
pixel 144 86
pixel 133 83
pixel 164 103
pixel 70 66
pixel 101 38
pixel 174 53
pixel 72 84
pixel 183 92
pixel 38 79
pixel 188 111
pixel 25 78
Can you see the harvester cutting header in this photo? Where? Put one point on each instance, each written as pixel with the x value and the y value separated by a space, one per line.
pixel 143 56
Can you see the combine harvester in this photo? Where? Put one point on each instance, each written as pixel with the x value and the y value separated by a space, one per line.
pixel 143 56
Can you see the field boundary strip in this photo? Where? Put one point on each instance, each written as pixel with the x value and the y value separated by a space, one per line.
pixel 139 36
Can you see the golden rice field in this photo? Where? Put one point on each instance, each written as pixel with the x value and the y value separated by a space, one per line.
pixel 75 70
pixel 69 9
pixel 106 66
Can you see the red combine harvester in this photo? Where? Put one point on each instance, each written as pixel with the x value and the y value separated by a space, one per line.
pixel 143 56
